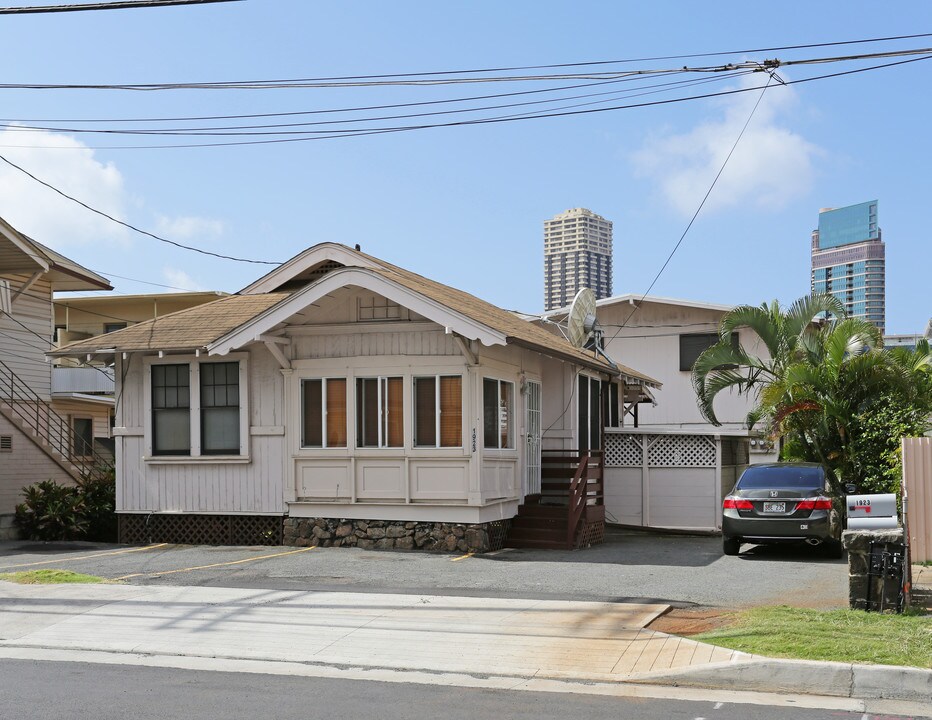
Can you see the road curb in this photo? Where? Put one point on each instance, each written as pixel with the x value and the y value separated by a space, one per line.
pixel 886 682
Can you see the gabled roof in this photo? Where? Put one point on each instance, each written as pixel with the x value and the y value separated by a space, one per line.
pixel 21 254
pixel 189 329
pixel 236 321
pixel 654 299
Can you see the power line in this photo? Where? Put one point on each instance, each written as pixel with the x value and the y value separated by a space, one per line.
pixel 698 209
pixel 117 5
pixel 133 227
pixel 265 129
pixel 433 77
pixel 478 121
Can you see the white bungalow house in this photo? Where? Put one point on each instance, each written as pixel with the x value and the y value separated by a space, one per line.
pixel 341 400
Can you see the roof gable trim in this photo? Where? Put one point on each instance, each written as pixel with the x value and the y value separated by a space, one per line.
pixel 432 310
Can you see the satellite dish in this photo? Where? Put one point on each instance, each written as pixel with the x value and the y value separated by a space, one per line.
pixel 580 323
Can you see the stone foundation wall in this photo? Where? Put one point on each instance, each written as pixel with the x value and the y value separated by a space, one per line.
pixel 395 534
pixel 8 529
pixel 882 590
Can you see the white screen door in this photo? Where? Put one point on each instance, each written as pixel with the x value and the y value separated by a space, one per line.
pixel 532 478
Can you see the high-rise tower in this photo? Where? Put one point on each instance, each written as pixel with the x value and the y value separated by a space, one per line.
pixel 849 260
pixel 577 254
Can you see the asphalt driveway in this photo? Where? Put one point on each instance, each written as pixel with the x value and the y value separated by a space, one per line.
pixel 631 566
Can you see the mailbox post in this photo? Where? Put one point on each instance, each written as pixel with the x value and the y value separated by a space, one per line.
pixel 876 553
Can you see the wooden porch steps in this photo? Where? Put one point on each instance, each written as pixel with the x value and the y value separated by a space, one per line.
pixel 544 520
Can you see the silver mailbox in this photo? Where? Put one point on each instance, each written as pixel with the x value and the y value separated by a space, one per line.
pixel 871 512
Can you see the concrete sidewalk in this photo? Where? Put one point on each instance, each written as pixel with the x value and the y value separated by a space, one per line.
pixel 584 642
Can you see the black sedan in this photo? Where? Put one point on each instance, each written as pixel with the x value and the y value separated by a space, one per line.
pixel 783 502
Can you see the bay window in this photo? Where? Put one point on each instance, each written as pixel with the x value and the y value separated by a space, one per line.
pixel 438 411
pixel 379 412
pixel 323 413
pixel 497 413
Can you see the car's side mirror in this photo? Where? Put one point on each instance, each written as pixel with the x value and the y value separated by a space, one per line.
pixel 851 488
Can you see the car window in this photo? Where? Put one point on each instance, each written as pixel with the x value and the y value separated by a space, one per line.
pixel 755 478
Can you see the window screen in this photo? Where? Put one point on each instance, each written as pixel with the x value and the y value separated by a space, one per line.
pixel 171 402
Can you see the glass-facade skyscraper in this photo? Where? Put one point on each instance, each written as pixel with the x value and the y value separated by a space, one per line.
pixel 849 260
pixel 577 254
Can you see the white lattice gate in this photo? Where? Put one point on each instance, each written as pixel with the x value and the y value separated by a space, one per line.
pixel 665 480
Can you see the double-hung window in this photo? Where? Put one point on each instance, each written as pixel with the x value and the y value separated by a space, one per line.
pixel 379 412
pixel 197 409
pixel 220 408
pixel 323 413
pixel 498 413
pixel 438 411
pixel 171 409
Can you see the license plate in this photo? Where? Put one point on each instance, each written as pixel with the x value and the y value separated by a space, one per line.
pixel 773 507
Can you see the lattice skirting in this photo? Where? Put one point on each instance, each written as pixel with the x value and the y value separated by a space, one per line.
pixel 591 533
pixel 186 529
pixel 498 531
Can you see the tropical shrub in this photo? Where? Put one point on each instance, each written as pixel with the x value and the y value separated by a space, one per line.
pixel 51 511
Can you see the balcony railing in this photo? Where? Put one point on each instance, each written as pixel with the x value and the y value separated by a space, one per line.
pixel 91 380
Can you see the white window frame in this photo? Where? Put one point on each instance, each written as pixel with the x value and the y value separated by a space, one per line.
pixel 194 381
pixel 512 447
pixel 382 423
pixel 436 378
pixel 323 412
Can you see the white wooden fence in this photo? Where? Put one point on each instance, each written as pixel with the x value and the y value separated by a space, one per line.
pixel 670 480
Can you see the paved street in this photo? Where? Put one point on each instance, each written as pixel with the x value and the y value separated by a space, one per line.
pixel 53 690
pixel 674 569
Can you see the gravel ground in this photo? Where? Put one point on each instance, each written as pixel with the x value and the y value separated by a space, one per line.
pixel 677 569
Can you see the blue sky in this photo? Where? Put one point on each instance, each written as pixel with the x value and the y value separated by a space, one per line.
pixel 465 205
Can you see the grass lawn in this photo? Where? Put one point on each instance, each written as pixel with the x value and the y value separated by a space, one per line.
pixel 837 635
pixel 49 577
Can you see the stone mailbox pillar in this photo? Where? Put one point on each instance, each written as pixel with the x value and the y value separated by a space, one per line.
pixel 876 565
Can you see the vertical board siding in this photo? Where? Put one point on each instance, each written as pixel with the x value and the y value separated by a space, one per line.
pixel 917 479
pixel 200 485
pixel 433 342
pixel 24 348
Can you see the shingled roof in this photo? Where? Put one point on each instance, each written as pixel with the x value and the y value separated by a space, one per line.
pixel 201 326
pixel 183 330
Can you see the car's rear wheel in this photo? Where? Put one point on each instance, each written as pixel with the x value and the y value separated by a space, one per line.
pixel 833 549
pixel 731 545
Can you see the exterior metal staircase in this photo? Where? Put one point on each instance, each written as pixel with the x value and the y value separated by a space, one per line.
pixel 569 512
pixel 48 430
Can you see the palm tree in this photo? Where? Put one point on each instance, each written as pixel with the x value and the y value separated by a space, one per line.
pixel 816 376
pixel 784 335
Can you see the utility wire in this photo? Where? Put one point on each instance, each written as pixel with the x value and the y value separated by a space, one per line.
pixel 117 5
pixel 268 129
pixel 133 227
pixel 698 209
pixel 479 121
pixel 436 77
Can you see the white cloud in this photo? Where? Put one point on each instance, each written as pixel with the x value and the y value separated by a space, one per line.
pixel 70 166
pixel 189 227
pixel 771 165
pixel 180 279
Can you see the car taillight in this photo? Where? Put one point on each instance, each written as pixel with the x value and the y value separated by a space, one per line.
pixel 819 503
pixel 733 503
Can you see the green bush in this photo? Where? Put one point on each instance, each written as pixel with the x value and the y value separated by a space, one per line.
pixel 69 512
pixel 51 512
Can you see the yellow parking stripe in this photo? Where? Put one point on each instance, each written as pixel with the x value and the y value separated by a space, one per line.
pixel 221 564
pixel 84 557
pixel 463 557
